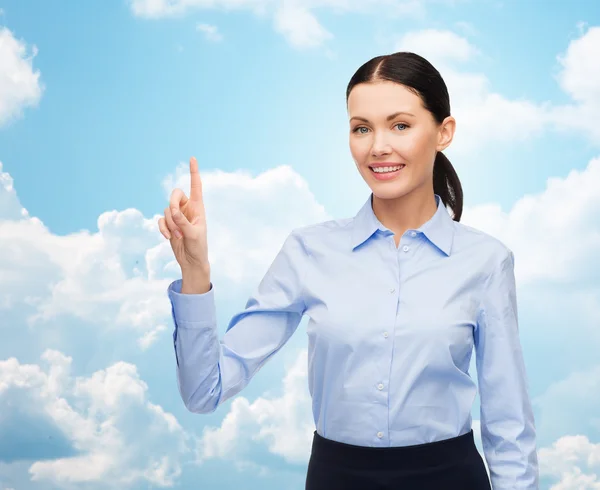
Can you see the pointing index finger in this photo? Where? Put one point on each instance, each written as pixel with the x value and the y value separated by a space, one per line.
pixel 196 183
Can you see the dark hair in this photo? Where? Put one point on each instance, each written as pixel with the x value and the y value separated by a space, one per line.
pixel 421 78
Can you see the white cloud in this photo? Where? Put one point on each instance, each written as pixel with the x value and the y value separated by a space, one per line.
pixel 284 424
pixel 116 277
pixel 153 9
pixel 580 74
pixel 20 85
pixel 245 420
pixel 121 437
pixel 294 19
pixel 579 77
pixel 151 336
pixel 10 207
pixel 440 47
pixel 210 32
pixel 556 234
pixel 567 460
pixel 299 26
pixel 102 278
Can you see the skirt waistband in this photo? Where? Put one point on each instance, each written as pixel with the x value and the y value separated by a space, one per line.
pixel 444 452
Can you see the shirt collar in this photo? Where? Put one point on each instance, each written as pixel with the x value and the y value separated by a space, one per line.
pixel 439 229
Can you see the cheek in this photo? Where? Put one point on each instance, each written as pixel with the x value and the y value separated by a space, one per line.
pixel 359 149
pixel 417 148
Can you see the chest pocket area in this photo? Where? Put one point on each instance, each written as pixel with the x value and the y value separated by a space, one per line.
pixel 444 321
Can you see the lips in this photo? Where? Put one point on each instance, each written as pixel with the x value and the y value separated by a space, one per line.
pixel 387 175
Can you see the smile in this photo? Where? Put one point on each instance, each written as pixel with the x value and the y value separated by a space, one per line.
pixel 386 173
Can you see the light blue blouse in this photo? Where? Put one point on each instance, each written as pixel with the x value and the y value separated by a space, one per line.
pixel 390 335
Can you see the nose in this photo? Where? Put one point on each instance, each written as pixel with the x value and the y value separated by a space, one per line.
pixel 380 148
pixel 376 152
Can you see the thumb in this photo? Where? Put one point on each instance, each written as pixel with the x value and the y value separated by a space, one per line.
pixel 181 221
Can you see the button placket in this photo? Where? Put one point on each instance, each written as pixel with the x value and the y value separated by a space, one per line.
pixel 392 291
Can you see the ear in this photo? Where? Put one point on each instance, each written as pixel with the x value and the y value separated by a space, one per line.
pixel 446 133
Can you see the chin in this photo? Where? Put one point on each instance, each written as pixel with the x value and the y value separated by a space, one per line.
pixel 390 190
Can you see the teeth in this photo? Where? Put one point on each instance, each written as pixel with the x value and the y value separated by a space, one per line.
pixel 386 169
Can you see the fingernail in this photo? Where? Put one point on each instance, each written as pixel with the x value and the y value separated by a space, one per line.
pixel 177 234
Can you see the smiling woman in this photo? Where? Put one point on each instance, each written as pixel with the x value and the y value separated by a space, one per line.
pixel 398 296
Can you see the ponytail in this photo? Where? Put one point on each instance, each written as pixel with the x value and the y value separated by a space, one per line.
pixel 447 185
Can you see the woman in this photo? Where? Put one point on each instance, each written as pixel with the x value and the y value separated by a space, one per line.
pixel 397 296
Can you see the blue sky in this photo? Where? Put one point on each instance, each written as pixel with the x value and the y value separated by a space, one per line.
pixel 101 106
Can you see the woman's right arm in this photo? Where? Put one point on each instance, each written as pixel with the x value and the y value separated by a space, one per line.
pixel 210 370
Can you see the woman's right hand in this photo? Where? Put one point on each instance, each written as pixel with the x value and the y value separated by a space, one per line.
pixel 184 224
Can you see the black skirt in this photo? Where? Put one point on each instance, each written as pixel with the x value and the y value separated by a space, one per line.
pixel 441 465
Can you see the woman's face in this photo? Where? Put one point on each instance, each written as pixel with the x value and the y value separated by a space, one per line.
pixel 388 124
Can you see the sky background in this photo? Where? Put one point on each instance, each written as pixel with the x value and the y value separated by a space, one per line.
pixel 101 106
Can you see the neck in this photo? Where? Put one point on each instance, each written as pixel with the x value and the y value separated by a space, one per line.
pixel 406 212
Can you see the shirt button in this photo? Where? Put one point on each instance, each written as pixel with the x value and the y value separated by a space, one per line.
pixel 413 233
pixel 405 248
pixel 380 435
pixel 380 386
pixel 392 290
pixel 385 334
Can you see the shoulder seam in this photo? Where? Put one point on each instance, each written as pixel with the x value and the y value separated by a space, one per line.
pixel 507 256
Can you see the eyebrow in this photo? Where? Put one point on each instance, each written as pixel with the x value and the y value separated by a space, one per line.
pixel 389 118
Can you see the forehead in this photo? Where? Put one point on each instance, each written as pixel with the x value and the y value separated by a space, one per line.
pixel 382 97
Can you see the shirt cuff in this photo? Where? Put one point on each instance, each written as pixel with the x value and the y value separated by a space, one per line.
pixel 196 309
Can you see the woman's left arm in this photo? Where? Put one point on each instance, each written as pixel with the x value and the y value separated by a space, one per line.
pixel 507 424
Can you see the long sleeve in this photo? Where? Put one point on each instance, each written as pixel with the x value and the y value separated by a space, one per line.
pixel 210 370
pixel 507 424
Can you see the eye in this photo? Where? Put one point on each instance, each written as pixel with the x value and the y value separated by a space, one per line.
pixel 358 128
